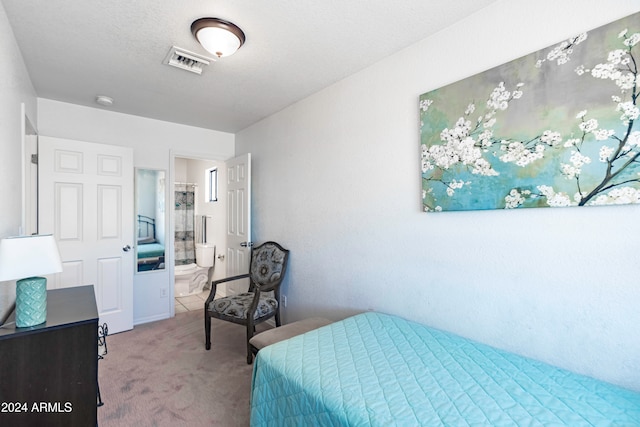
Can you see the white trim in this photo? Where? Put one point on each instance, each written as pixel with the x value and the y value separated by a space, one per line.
pixel 149 319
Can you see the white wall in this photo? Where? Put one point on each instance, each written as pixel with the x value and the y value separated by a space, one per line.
pixel 153 142
pixel 336 179
pixel 15 89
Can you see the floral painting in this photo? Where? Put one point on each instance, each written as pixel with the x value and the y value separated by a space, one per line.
pixel 554 128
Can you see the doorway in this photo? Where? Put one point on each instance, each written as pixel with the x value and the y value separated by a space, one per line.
pixel 29 176
pixel 199 217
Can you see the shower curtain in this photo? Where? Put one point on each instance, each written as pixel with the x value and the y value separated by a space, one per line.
pixel 184 224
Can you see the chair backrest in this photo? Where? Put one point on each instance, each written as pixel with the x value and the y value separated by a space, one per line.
pixel 268 265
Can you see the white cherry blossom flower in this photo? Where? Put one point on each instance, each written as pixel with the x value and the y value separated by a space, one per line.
pixel 615 56
pixel 490 123
pixel 550 137
pixel 470 109
pixel 555 199
pixel 518 153
pixel 589 125
pixel 514 199
pixel 629 111
pixel 626 81
pixel 578 159
pixel 605 153
pixel 484 168
pixel 633 40
pixel 618 196
pixel 634 138
pixel 425 104
pixel 561 53
pixel 602 134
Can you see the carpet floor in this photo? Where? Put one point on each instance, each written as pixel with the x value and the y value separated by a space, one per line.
pixel 159 374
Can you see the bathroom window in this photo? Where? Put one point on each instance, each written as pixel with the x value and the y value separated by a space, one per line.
pixel 212 185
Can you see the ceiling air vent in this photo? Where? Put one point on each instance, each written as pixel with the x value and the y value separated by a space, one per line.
pixel 186 60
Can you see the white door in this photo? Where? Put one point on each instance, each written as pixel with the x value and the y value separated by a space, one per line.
pixel 238 219
pixel 86 202
pixel 30 179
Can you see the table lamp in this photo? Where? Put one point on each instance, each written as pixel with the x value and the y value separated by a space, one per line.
pixel 24 258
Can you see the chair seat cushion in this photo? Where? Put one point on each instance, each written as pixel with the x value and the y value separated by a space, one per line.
pixel 237 306
pixel 280 333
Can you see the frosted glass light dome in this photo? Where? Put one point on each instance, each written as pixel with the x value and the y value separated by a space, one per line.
pixel 219 37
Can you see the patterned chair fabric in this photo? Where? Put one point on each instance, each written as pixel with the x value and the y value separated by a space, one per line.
pixel 267 263
pixel 238 305
pixel 267 268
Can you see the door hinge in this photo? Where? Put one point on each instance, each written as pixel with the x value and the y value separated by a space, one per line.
pixel 34 159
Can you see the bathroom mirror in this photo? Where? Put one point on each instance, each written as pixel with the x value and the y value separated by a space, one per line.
pixel 150 219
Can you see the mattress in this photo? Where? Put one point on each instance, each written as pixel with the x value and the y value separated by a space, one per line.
pixel 150 250
pixel 375 369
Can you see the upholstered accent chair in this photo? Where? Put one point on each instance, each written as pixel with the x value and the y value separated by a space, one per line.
pixel 267 267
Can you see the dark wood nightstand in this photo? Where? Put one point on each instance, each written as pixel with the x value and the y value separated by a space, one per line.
pixel 49 372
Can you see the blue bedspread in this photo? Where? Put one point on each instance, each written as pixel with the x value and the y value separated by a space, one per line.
pixel 380 370
pixel 150 250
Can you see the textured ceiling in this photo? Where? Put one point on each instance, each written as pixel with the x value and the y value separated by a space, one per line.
pixel 77 49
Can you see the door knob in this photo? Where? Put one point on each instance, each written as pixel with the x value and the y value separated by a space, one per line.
pixel 246 244
pixel 126 248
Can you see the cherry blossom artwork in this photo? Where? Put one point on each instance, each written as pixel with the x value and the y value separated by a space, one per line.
pixel 558 127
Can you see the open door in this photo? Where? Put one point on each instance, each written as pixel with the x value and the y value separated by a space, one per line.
pixel 29 176
pixel 86 201
pixel 238 219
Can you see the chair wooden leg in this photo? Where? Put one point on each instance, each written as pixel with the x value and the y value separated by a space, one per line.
pixel 207 331
pixel 278 317
pixel 251 329
pixel 100 402
pixel 249 355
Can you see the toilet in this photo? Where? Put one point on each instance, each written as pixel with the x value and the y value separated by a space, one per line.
pixel 190 279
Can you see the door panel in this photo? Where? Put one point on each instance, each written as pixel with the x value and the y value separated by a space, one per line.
pixel 238 219
pixel 109 271
pixel 68 215
pixel 109 212
pixel 86 202
pixel 72 273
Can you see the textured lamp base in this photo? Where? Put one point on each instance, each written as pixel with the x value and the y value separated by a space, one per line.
pixel 31 301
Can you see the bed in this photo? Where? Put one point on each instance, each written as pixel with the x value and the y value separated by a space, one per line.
pixel 150 250
pixel 375 369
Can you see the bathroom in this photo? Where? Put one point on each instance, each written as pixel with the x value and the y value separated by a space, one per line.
pixel 200 230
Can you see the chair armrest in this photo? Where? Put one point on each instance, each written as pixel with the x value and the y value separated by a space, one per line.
pixel 215 283
pixel 229 279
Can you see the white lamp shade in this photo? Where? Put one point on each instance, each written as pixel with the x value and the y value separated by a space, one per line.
pixel 28 256
pixel 218 41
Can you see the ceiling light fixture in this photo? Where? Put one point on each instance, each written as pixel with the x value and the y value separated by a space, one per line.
pixel 221 38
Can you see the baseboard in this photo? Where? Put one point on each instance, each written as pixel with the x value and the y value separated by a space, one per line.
pixel 150 319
